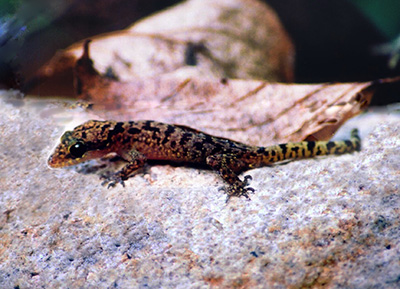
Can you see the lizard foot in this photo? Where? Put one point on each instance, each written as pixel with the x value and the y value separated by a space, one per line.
pixel 240 189
pixel 112 180
pixel 247 178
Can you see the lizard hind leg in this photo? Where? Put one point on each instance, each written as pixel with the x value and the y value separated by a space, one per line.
pixel 227 166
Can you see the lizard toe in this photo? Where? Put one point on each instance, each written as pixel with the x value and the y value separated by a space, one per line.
pixel 112 181
pixel 246 180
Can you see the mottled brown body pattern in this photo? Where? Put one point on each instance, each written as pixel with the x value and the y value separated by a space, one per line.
pixel 139 141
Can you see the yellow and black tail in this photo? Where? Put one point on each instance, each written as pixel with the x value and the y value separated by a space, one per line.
pixel 308 149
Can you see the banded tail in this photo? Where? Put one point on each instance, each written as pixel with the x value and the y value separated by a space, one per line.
pixel 309 149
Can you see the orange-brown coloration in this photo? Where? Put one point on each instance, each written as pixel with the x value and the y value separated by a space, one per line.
pixel 139 141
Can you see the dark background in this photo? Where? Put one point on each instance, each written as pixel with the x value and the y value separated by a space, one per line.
pixel 334 40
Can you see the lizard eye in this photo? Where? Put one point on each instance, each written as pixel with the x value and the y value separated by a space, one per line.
pixel 77 149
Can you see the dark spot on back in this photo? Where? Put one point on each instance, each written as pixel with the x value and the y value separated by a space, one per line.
pixel 147 126
pixel 152 128
pixel 155 136
pixel 208 138
pixel 261 150
pixel 118 128
pixel 133 130
pixel 184 139
pixel 170 130
pixel 104 127
pixel 218 148
pixel 253 154
pixel 198 146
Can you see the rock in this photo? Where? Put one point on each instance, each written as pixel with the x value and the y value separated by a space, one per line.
pixel 329 222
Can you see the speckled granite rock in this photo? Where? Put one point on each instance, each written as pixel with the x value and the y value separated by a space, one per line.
pixel 331 222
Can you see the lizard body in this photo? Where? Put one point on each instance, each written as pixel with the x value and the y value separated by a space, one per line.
pixel 139 141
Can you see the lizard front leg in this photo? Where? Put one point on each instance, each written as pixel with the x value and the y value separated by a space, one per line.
pixel 227 165
pixel 136 161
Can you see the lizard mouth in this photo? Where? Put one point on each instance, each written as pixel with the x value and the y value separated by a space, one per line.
pixel 55 161
pixel 61 158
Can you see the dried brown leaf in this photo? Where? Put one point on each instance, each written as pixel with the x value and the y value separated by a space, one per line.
pixel 225 38
pixel 154 61
pixel 256 112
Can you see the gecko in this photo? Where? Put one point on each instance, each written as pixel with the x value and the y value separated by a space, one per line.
pixel 139 141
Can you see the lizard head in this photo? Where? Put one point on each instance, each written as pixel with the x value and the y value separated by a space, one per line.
pixel 90 140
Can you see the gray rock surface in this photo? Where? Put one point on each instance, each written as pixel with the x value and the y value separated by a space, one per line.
pixel 330 222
